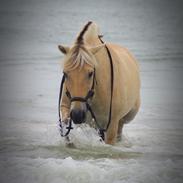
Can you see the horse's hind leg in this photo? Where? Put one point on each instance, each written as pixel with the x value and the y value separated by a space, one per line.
pixel 132 113
pixel 120 128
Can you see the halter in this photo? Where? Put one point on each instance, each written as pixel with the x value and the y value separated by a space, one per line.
pixel 85 100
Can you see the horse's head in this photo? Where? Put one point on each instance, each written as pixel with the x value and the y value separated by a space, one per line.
pixel 79 71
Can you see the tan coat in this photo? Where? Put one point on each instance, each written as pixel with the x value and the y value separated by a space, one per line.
pixel 126 91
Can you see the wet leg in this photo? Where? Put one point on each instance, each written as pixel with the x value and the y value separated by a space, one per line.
pixel 111 134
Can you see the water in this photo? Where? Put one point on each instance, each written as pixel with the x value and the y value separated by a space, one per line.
pixel 31 149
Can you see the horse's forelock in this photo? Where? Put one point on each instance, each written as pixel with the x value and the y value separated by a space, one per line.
pixel 78 57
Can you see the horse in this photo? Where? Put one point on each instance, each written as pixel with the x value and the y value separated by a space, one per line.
pixel 89 81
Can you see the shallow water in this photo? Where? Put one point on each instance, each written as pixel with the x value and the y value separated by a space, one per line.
pixel 31 149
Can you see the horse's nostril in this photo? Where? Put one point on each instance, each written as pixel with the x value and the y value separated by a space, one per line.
pixel 78 116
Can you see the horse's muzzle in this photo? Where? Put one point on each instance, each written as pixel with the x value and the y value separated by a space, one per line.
pixel 78 116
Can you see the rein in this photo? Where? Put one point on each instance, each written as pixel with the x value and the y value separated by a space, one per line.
pixel 69 128
pixel 85 99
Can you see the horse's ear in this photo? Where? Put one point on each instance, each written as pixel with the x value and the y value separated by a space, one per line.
pixel 63 49
pixel 94 50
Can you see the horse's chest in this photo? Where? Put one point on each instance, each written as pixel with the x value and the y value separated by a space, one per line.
pixel 101 112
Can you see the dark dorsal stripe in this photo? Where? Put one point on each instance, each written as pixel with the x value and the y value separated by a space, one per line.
pixel 80 37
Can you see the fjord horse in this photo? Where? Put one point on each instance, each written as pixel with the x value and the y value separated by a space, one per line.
pixel 87 69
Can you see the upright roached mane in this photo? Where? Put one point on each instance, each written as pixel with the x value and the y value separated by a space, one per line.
pixel 80 37
pixel 78 54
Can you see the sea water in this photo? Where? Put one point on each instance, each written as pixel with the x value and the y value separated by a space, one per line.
pixel 31 149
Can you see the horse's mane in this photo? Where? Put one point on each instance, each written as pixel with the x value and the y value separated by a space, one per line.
pixel 78 54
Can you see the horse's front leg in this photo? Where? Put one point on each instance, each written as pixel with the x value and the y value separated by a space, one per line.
pixel 65 123
pixel 111 134
pixel 65 111
pixel 65 107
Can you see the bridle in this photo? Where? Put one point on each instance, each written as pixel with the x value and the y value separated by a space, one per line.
pixel 86 99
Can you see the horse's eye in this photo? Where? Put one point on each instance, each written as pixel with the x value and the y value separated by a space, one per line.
pixel 90 74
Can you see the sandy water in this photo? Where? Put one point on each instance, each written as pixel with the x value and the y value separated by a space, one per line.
pixel 31 149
